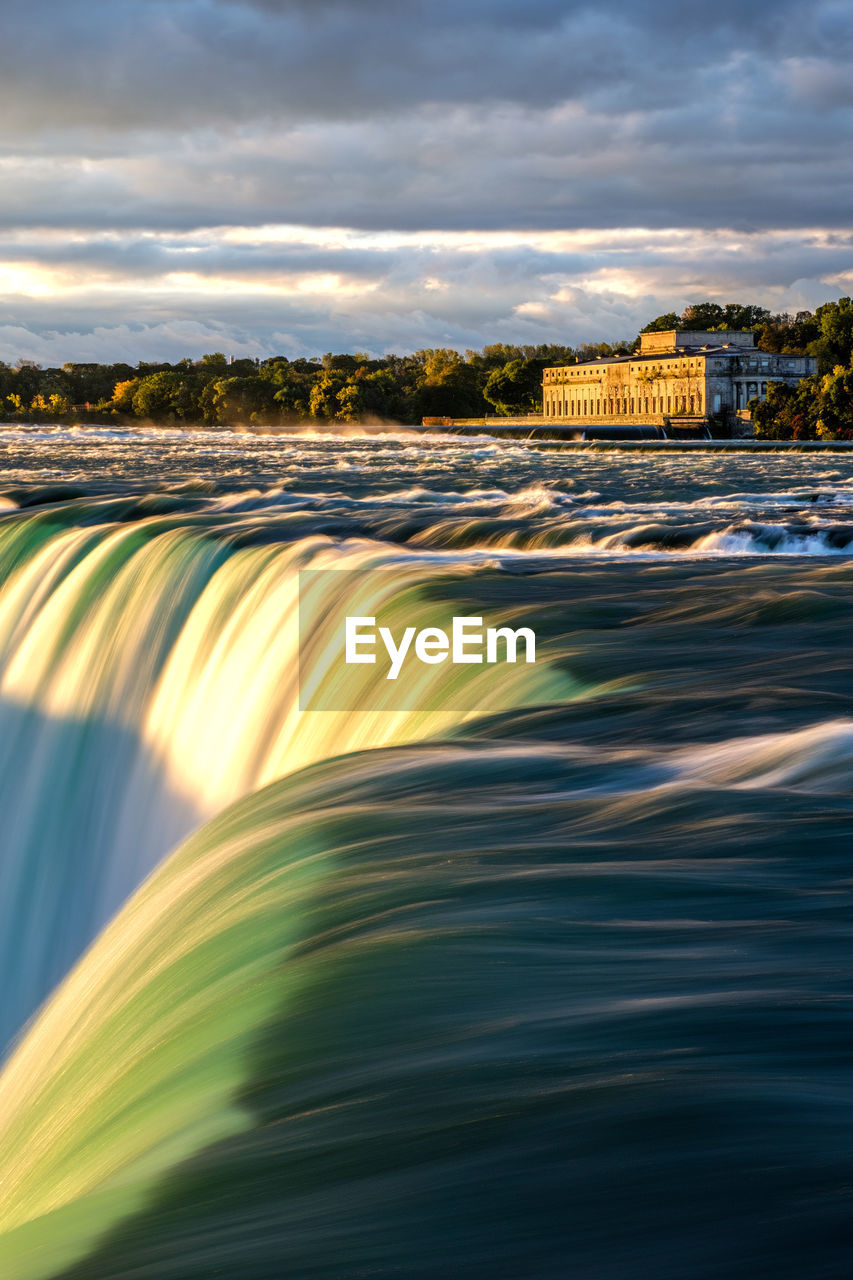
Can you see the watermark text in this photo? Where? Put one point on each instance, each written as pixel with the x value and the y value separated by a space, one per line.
pixel 467 642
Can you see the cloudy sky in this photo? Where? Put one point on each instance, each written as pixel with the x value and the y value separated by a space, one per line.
pixel 298 176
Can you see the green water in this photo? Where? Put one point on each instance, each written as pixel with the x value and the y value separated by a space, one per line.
pixel 546 974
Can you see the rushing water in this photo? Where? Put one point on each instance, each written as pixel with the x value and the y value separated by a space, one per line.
pixel 544 973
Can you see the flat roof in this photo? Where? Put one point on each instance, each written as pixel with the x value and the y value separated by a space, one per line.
pixel 669 339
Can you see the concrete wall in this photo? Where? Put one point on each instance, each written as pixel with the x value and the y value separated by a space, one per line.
pixel 669 339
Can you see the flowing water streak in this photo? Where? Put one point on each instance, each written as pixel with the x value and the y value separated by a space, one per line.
pixel 568 992
pixel 150 676
pixel 432 985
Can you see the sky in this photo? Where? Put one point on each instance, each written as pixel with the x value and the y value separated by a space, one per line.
pixel 299 176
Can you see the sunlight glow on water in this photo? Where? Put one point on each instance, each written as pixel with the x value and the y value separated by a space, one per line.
pixel 537 978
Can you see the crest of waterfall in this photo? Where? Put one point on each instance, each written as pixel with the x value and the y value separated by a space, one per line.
pixel 535 975
pixel 149 676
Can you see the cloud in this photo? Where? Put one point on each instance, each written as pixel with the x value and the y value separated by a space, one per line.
pixel 510 167
pixel 304 290
pixel 150 146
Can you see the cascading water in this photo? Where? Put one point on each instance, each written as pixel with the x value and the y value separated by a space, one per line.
pixel 543 972
pixel 149 677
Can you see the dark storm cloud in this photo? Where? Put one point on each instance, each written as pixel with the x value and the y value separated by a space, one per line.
pixel 459 167
pixel 150 63
pixel 464 113
pixel 136 132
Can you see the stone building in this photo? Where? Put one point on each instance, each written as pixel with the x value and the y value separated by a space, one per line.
pixel 684 374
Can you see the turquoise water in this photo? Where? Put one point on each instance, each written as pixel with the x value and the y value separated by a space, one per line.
pixel 546 975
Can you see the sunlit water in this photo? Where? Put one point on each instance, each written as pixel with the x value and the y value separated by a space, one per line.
pixel 543 974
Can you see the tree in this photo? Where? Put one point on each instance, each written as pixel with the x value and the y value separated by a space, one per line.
pixel 158 396
pixel 122 398
pixel 516 388
pixel 702 315
pixel 350 405
pixel 788 413
pixel 291 401
pixel 592 350
pixel 834 345
pixel 789 335
pixel 738 316
pixel 835 406
pixel 661 324
pixel 59 405
pixel 449 386
pixel 27 379
pixel 237 399
pixel 323 398
pixel 92 383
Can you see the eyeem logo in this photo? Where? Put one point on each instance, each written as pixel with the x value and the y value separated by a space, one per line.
pixel 466 643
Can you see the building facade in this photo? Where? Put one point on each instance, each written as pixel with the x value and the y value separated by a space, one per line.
pixel 676 374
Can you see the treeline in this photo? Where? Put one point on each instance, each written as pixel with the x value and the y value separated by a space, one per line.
pixel 435 382
pixel 335 388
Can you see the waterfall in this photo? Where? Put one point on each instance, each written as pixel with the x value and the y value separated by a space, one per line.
pixel 149 676
pixel 521 971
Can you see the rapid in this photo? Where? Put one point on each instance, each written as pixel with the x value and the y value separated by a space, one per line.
pixel 534 972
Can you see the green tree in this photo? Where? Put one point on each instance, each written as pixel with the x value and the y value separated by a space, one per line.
pixel 702 315
pixel 27 379
pixel 91 383
pixel 834 345
pixel 350 405
pixel 158 396
pixel 323 398
pixel 737 316
pixel 789 335
pixel 516 388
pixel 662 324
pixel 835 405
pixel 788 413
pixel 59 404
pixel 230 400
